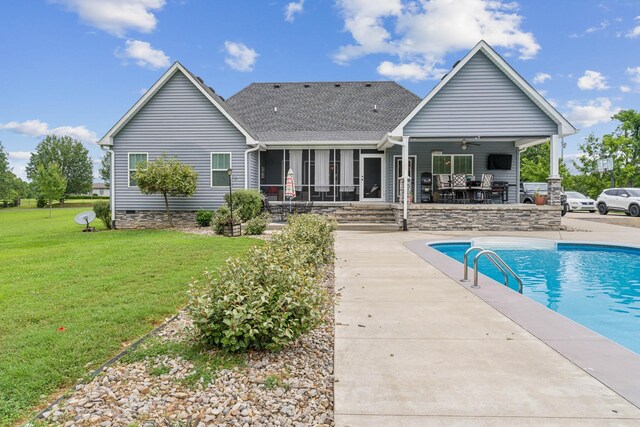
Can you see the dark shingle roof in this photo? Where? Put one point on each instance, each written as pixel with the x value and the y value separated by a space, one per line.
pixel 322 111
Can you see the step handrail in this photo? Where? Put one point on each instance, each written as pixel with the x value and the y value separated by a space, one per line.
pixel 491 254
pixel 465 261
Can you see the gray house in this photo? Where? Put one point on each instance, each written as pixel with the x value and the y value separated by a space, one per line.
pixel 348 143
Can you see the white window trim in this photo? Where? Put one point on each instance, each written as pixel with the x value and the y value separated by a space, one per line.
pixel 129 166
pixel 211 170
pixel 473 163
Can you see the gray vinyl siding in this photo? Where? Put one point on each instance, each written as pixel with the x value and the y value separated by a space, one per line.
pixel 179 121
pixel 423 150
pixel 254 170
pixel 480 100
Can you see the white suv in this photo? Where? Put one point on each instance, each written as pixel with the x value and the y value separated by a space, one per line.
pixel 625 200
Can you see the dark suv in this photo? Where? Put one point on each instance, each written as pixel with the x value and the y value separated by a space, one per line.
pixel 528 189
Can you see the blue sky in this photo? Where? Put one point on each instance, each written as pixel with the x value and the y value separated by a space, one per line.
pixel 76 66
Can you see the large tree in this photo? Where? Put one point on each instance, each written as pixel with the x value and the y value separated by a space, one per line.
pixel 105 169
pixel 5 181
pixel 70 156
pixel 535 164
pixel 168 177
pixel 50 183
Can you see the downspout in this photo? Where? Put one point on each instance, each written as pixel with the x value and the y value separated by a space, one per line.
pixel 246 164
pixel 404 143
pixel 112 187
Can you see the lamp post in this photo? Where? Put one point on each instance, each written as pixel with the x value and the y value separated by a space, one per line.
pixel 230 172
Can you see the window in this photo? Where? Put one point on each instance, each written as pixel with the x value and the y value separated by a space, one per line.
pixel 452 163
pixel 220 164
pixel 134 160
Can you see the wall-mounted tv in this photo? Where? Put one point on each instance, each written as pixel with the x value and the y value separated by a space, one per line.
pixel 499 161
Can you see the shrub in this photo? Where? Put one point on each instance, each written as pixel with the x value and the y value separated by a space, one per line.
pixel 41 202
pixel 248 203
pixel 204 217
pixel 313 234
pixel 222 217
pixel 268 298
pixel 103 212
pixel 258 224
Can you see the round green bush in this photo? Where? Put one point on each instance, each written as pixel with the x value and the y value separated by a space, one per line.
pixel 248 203
pixel 268 298
pixel 103 212
pixel 204 217
pixel 257 225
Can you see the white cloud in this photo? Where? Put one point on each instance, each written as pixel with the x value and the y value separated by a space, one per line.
pixel 19 155
pixel 634 72
pixel 412 71
pixel 592 80
pixel 144 55
pixel 239 56
pixel 541 78
pixel 117 16
pixel 30 127
pixel 595 111
pixel 292 9
pixel 36 129
pixel 625 89
pixel 634 32
pixel 421 34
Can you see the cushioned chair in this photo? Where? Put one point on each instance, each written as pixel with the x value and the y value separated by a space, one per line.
pixel 443 186
pixel 484 190
pixel 459 187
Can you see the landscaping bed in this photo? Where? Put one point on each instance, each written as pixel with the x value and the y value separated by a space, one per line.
pixel 168 381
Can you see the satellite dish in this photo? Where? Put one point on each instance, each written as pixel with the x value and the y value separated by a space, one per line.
pixel 84 218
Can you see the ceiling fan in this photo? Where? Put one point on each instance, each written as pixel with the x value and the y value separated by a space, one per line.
pixel 464 143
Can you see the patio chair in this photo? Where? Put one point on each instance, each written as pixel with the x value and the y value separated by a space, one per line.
pixel 443 186
pixel 459 187
pixel 486 184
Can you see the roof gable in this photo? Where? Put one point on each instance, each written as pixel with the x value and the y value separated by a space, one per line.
pixel 482 48
pixel 216 100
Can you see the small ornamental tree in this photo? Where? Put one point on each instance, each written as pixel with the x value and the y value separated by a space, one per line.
pixel 50 183
pixel 168 177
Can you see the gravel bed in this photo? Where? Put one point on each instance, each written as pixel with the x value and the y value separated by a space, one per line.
pixel 293 387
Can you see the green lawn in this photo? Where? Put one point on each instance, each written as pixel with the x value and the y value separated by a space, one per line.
pixel 105 289
pixel 72 203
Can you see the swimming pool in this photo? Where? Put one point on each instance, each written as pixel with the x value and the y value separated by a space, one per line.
pixel 597 286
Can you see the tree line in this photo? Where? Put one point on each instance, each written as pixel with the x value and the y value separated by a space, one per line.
pixel 622 145
pixel 60 166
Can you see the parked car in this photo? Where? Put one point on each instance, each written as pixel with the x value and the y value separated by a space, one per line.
pixel 625 200
pixel 579 202
pixel 528 189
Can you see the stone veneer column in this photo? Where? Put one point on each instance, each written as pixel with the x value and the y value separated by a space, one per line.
pixel 554 190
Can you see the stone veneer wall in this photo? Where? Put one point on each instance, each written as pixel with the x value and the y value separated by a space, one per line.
pixel 154 219
pixel 476 217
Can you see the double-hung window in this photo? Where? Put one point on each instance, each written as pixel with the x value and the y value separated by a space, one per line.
pixel 134 160
pixel 220 164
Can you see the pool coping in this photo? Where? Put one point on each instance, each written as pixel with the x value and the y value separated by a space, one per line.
pixel 607 361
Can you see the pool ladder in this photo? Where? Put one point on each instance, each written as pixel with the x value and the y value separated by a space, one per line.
pixel 495 260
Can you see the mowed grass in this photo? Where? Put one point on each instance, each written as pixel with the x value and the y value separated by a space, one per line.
pixel 71 203
pixel 71 300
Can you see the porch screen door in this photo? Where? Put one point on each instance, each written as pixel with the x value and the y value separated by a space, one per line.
pixel 371 188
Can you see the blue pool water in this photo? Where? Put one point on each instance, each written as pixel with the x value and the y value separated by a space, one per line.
pixel 597 286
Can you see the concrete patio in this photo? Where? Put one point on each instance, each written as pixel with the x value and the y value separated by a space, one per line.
pixel 413 347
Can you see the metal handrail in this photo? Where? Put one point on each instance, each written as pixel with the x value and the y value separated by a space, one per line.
pixel 465 261
pixel 490 255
